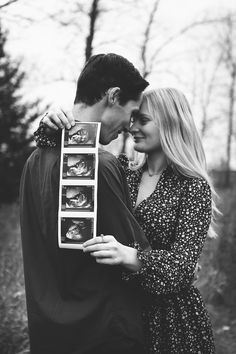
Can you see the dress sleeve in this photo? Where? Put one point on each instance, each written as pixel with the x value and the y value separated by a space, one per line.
pixel 43 139
pixel 168 271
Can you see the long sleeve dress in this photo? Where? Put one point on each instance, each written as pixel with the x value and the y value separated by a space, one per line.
pixel 175 219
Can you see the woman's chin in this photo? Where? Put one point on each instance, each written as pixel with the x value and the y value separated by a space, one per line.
pixel 139 148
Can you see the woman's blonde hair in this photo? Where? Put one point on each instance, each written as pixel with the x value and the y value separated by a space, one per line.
pixel 179 138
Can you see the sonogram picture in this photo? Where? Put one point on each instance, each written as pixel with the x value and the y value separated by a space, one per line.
pixel 78 185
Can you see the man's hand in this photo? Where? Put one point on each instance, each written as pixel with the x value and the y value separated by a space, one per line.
pixel 56 119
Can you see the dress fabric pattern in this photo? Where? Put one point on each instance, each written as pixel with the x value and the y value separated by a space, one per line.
pixel 175 219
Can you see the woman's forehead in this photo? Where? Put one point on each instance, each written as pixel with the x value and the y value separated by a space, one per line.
pixel 144 107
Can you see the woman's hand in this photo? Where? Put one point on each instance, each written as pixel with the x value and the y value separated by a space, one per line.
pixel 107 250
pixel 56 118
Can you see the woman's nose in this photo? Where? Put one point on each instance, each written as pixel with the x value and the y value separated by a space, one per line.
pixel 133 128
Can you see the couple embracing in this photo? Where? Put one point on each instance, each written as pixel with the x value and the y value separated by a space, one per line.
pixel 131 288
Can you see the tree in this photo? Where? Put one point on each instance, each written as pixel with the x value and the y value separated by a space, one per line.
pixel 15 119
pixel 229 49
pixel 77 12
pixel 147 67
pixel 93 15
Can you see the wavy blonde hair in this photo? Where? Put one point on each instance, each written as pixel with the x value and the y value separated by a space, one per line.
pixel 179 138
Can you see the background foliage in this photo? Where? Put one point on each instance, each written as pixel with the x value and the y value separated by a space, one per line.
pixel 15 119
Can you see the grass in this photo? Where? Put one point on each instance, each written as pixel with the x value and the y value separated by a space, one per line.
pixel 13 323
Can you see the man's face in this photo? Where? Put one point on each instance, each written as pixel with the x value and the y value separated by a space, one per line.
pixel 115 119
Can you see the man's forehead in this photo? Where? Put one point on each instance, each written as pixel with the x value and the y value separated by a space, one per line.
pixel 136 103
pixel 136 106
pixel 135 112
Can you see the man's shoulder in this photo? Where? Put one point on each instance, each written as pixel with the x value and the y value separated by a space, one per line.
pixel 109 167
pixel 48 157
pixel 106 160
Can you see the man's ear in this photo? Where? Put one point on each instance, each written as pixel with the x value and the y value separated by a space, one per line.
pixel 113 94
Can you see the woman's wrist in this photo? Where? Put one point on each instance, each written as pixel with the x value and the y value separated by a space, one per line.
pixel 130 259
pixel 48 131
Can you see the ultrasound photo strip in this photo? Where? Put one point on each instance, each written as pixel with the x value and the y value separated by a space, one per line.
pixel 77 198
pixel 75 230
pixel 81 135
pixel 78 166
pixel 77 214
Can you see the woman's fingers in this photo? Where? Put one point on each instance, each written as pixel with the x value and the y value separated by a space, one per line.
pixel 108 261
pixel 57 118
pixel 70 117
pixel 51 125
pixel 93 241
pixel 60 115
pixel 49 122
pixel 97 247
pixel 102 254
pixel 99 240
pixel 105 249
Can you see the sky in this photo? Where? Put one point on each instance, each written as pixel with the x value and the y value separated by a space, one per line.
pixel 53 56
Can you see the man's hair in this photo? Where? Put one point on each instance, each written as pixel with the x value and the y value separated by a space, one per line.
pixel 104 71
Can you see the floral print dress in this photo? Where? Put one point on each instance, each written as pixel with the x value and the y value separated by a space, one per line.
pixel 175 218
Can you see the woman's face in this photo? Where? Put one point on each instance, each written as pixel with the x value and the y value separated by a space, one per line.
pixel 145 131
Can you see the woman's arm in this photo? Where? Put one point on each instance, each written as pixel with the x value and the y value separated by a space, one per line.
pixel 48 133
pixel 166 271
pixel 161 271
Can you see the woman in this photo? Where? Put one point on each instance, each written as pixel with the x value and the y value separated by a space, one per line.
pixel 171 196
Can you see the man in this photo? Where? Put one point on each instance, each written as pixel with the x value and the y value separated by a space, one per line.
pixel 76 306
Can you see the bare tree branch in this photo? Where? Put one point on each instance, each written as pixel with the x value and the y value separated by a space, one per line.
pixel 179 34
pixel 231 66
pixel 63 22
pixel 93 15
pixel 207 100
pixel 145 70
pixel 7 3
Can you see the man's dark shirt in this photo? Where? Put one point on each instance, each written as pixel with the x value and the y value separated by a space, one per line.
pixel 74 304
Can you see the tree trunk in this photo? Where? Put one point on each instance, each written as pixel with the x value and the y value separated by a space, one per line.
pixel 230 124
pixel 93 15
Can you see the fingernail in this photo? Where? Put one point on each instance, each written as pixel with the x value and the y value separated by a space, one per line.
pixel 72 123
pixel 68 126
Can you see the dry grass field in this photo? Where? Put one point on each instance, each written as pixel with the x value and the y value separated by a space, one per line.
pixel 13 323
